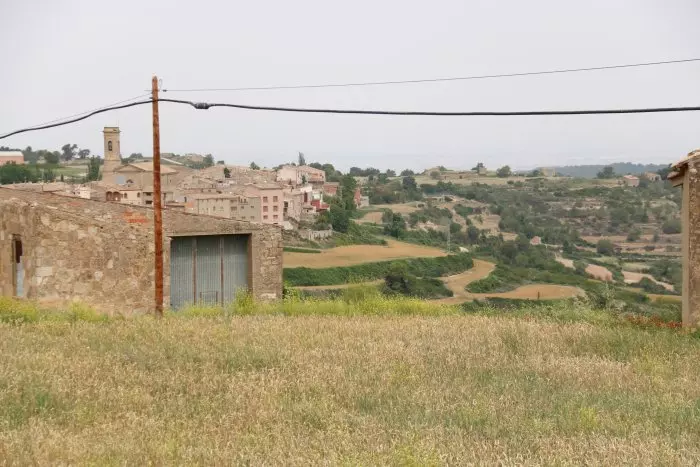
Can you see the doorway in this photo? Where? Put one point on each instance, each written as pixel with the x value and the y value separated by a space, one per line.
pixel 17 267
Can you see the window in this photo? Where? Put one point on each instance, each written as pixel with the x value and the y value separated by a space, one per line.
pixel 265 217
pixel 109 145
pixel 138 195
pixel 264 208
pixel 275 217
pixel 125 195
pixel 275 208
pixel 274 199
pixel 264 199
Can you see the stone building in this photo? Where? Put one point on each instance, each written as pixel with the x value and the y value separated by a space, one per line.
pixel 630 180
pixel 685 175
pixel 56 249
pixel 231 206
pixel 112 153
pixel 297 174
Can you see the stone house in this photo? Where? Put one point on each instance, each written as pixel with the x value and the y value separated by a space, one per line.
pixel 55 249
pixel 271 201
pixel 630 180
pixel 652 176
pixel 296 174
pixel 140 174
pixel 231 206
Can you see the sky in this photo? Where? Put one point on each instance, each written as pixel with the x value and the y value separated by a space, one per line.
pixel 63 57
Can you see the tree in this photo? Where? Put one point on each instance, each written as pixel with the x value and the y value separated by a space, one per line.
pixel 663 173
pixel 409 184
pixel 61 177
pixel 220 162
pixel 227 172
pixel 303 179
pixel 397 227
pixel 302 159
pixel 479 165
pixel 605 247
pixel 83 153
pixel 339 218
pixel 504 171
pixel 135 155
pixel 390 173
pixel 407 173
pixel 52 157
pixel 254 166
pixel 208 160
pixel 607 173
pixel 473 234
pixel 68 151
pixel 93 172
pixel 535 173
pixel 634 235
pixel 672 226
pixel 435 175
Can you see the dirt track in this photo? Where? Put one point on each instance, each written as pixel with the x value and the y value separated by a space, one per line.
pixel 634 277
pixel 482 269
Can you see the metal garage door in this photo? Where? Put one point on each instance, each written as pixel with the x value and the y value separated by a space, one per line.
pixel 207 269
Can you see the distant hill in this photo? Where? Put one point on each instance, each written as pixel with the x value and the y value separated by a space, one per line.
pixel 621 168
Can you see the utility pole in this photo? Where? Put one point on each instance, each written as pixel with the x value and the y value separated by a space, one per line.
pixel 157 207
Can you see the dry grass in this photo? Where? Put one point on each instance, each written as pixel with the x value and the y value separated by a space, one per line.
pixel 358 390
pixel 358 254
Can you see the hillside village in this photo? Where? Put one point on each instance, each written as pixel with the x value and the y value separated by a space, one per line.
pixel 533 235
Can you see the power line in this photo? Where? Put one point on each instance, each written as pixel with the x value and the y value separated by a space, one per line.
pixel 434 80
pixel 53 125
pixel 91 110
pixel 206 105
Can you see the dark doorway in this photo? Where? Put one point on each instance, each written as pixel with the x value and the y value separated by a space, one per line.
pixel 17 267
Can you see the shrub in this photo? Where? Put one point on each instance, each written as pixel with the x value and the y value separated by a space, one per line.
pixel 605 247
pixel 419 267
pixel 672 226
pixel 292 249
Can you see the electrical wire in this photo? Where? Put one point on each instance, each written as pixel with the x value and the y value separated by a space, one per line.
pixel 67 122
pixel 434 80
pixel 206 105
pixel 91 110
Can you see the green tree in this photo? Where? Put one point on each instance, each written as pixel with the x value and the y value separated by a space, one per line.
pixel 68 151
pixel 302 159
pixel 605 247
pixel 607 173
pixel 479 165
pixel 672 226
pixel 397 227
pixel 390 173
pixel 93 172
pixel 407 173
pixel 504 171
pixel 83 153
pixel 51 157
pixel 227 172
pixel 220 162
pixel 339 218
pixel 208 160
pixel 634 235
pixel 409 184
pixel 254 166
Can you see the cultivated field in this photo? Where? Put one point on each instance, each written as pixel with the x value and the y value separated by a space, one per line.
pixel 378 390
pixel 358 254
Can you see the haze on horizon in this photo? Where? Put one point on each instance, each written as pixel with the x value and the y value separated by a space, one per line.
pixel 69 56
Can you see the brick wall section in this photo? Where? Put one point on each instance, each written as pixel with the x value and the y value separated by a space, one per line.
pixel 102 253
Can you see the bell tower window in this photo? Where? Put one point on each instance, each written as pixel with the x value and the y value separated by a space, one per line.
pixel 109 145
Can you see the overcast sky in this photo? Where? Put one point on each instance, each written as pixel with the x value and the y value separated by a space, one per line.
pixel 61 57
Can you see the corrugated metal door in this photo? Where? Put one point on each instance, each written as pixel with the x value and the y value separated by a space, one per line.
pixel 235 265
pixel 181 271
pixel 208 275
pixel 207 269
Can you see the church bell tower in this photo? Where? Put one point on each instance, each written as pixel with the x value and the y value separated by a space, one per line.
pixel 112 158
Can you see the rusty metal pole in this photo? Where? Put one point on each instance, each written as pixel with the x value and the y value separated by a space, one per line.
pixel 157 207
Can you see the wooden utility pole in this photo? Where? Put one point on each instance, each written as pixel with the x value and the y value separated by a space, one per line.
pixel 157 207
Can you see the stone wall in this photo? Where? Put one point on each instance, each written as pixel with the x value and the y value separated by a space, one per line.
pixel 102 253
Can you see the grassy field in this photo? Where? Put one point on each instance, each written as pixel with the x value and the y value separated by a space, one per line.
pixel 411 385
pixel 358 254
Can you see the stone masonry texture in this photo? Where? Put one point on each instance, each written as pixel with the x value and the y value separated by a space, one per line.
pixel 101 253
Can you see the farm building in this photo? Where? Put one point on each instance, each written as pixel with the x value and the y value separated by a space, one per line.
pixel 10 157
pixel 57 249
